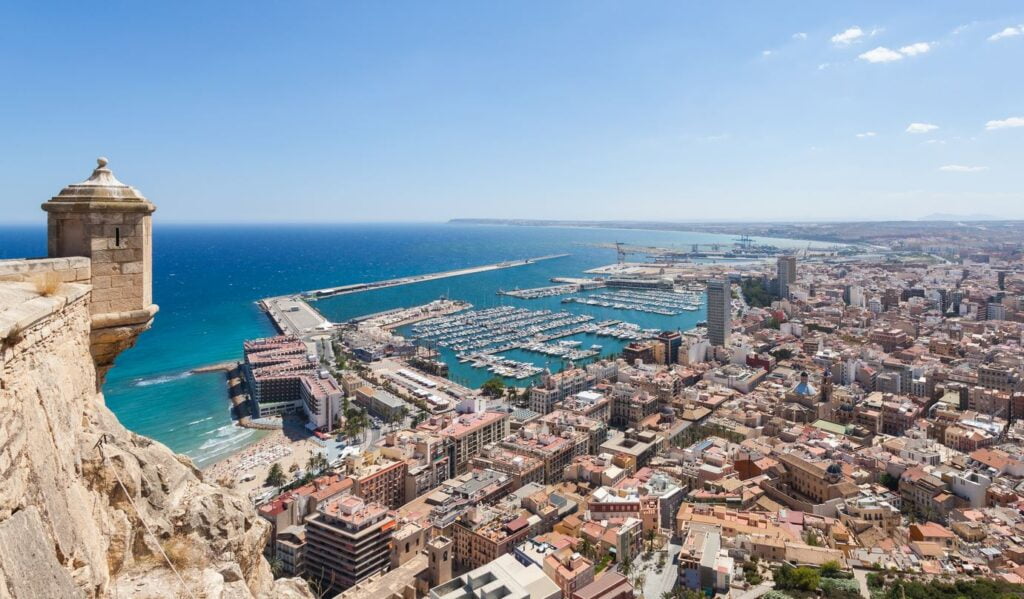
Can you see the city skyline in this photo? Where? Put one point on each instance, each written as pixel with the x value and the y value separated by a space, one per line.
pixel 597 111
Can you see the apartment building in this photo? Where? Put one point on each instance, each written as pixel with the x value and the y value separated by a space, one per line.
pixel 556 451
pixel 469 433
pixel 347 541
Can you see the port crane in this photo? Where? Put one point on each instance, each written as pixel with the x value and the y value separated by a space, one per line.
pixel 743 245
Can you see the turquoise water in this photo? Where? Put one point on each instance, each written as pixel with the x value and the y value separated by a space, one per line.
pixel 207 279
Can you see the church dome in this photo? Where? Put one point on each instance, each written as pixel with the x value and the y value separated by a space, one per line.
pixel 805 388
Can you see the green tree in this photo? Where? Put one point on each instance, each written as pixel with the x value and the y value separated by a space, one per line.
pixel 494 387
pixel 831 569
pixel 891 482
pixel 355 422
pixel 316 463
pixel 275 478
pixel 796 579
pixel 276 567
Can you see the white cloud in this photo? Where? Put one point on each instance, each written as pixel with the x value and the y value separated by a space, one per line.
pixel 1013 121
pixel 921 127
pixel 766 52
pixel 866 134
pixel 800 36
pixel 938 142
pixel 823 66
pixel 960 168
pixel 915 49
pixel 1008 32
pixel 847 37
pixel 881 54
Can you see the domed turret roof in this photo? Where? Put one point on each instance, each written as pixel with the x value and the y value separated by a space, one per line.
pixel 101 187
pixel 834 469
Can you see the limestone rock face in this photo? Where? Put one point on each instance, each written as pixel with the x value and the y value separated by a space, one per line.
pixel 90 509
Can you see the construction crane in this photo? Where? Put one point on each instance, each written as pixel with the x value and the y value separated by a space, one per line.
pixel 622 250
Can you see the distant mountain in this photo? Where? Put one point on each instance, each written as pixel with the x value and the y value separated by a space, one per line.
pixel 941 216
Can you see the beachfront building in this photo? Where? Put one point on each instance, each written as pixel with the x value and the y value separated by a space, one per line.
pixel 283 377
pixel 347 541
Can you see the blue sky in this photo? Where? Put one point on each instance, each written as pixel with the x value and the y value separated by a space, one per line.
pixel 380 111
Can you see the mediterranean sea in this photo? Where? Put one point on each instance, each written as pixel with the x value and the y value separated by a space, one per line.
pixel 207 279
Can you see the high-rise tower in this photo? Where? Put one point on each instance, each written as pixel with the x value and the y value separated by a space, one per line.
pixel 719 311
pixel 786 274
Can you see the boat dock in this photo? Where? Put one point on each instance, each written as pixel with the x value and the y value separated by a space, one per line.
pixel 317 294
pixel 539 292
pixel 292 316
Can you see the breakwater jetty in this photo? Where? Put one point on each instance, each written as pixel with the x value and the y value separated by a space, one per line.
pixel 292 314
pixel 316 294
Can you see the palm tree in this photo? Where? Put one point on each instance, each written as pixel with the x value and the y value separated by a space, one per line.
pixel 638 582
pixel 587 549
pixel 626 565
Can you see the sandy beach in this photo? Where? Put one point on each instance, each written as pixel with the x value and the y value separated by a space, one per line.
pixel 246 470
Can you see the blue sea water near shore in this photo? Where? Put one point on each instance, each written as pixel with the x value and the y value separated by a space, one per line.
pixel 207 279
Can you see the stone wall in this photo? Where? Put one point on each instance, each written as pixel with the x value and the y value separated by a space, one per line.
pixel 68 528
pixel 69 270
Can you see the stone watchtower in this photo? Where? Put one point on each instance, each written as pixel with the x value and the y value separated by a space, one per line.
pixel 109 223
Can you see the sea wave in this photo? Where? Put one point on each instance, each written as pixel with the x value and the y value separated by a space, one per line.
pixel 159 380
pixel 225 437
pixel 200 420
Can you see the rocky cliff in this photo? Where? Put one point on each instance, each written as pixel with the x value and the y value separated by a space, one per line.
pixel 88 508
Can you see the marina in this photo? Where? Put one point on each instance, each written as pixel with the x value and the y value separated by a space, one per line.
pixel 479 336
pixel 666 303
pixel 539 292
